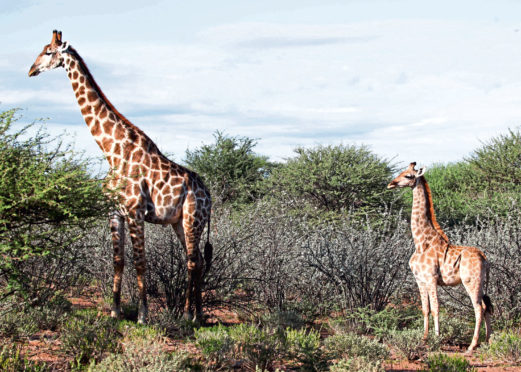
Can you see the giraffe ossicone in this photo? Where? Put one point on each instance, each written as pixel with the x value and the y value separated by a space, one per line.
pixel 149 187
pixel 436 261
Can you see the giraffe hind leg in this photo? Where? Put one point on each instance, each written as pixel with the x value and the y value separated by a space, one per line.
pixel 117 229
pixel 190 237
pixel 476 295
pixel 137 235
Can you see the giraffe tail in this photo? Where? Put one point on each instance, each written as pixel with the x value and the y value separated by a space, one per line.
pixel 208 251
pixel 487 302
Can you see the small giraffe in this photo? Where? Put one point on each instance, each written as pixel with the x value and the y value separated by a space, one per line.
pixel 437 262
pixel 149 187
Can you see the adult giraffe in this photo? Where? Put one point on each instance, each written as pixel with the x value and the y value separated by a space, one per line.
pixel 437 262
pixel 149 187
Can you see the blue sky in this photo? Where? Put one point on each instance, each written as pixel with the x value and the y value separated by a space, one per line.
pixel 424 81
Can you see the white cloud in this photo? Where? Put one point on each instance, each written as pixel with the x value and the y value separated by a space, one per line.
pixel 412 88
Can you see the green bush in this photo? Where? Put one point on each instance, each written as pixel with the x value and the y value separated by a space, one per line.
pixel 357 364
pixel 172 324
pixel 455 331
pixel 487 183
pixel 379 323
pixel 444 363
pixel 12 361
pixel 222 345
pixel 48 200
pixel 16 324
pixel 280 320
pixel 87 336
pixel 216 344
pixel 143 351
pixel 304 347
pixel 326 181
pixel 505 345
pixel 351 345
pixel 230 168
pixel 259 347
pixel 410 344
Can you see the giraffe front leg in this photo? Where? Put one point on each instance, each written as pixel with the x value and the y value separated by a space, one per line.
pixel 434 304
pixel 137 235
pixel 424 295
pixel 117 229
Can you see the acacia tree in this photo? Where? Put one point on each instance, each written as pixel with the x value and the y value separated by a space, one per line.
pixel 331 180
pixel 230 168
pixel 48 200
pixel 487 183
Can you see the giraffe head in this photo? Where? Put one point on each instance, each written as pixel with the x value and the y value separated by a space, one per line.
pixel 407 178
pixel 51 56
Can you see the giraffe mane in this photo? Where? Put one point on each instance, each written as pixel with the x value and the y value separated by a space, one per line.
pixel 430 211
pixel 102 95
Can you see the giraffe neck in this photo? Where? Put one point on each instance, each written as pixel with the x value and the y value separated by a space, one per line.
pixel 424 227
pixel 115 135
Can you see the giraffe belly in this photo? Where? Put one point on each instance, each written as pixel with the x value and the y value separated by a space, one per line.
pixel 163 215
pixel 449 277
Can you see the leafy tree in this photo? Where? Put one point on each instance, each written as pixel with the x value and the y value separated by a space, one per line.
pixel 329 180
pixel 453 189
pixel 498 163
pixel 230 168
pixel 487 182
pixel 47 200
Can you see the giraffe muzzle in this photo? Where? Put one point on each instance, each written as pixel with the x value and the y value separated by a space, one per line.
pixel 34 71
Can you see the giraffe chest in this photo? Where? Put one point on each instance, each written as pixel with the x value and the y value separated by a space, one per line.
pixel 432 266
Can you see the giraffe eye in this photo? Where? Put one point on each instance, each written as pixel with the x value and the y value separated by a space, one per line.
pixel 409 176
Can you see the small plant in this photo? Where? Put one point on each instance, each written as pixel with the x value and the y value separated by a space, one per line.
pixel 351 345
pixel 357 364
pixel 22 320
pixel 130 311
pixel 173 325
pixel 304 347
pixel 379 323
pixel 12 361
pixel 53 313
pixel 280 320
pixel 88 336
pixel 261 348
pixel 215 344
pixel 455 331
pixel 445 363
pixel 16 324
pixel 410 343
pixel 143 351
pixel 505 345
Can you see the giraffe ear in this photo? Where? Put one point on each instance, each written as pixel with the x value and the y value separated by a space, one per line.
pixel 421 172
pixel 64 46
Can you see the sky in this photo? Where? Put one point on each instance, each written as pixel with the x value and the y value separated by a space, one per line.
pixel 414 80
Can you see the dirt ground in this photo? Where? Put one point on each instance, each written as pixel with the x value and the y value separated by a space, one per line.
pixel 45 346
